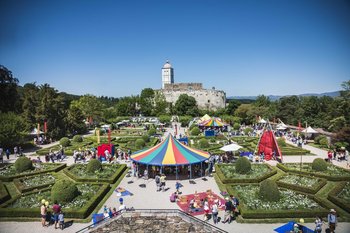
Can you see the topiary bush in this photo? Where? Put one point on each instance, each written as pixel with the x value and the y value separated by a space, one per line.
pixel 140 143
pixel 195 131
pixel 64 142
pixel 269 190
pixel 23 164
pixel 247 130
pixel 324 142
pixel 203 143
pixel 152 132
pixel 319 138
pixel 77 138
pixel 236 126
pixel 94 165
pixel 64 191
pixel 145 138
pixel 243 165
pixel 319 165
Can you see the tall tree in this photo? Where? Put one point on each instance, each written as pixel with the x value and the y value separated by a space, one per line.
pixel 8 91
pixel 29 104
pixel 232 106
pixel 147 101
pixel 127 106
pixel 75 121
pixel 160 104
pixel 10 129
pixel 186 105
pixel 90 106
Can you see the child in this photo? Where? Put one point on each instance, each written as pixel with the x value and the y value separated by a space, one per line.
pixel 177 187
pixel 61 219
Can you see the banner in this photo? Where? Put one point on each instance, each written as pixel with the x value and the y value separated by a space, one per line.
pixel 109 135
pixel 38 131
pixel 45 127
pixel 98 135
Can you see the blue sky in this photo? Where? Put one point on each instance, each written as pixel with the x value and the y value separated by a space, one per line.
pixel 117 48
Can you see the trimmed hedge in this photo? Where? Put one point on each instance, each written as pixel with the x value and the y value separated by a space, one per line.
pixel 64 142
pixel 314 189
pixel 319 165
pixel 265 214
pixel 111 180
pixel 55 169
pixel 225 180
pixel 243 165
pixel 69 213
pixel 23 164
pixel 4 195
pixel 318 174
pixel 333 196
pixel 94 165
pixel 64 191
pixel 269 190
pixel 23 189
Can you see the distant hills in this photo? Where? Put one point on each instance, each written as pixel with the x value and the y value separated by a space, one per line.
pixel 276 97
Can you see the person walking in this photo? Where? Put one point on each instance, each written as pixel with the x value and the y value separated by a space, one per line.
pixel 56 209
pixel 332 220
pixel 43 212
pixel 157 179
pixel 228 210
pixel 215 211
pixel 1 155
pixel 319 223
pixel 162 182
pixel 8 153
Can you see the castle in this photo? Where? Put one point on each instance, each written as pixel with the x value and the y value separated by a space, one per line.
pixel 209 99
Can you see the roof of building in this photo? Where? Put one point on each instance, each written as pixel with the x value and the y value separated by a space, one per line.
pixel 167 65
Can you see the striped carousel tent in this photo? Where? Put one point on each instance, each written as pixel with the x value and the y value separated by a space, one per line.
pixel 170 152
pixel 214 121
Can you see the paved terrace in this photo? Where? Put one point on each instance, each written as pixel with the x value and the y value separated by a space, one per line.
pixel 149 198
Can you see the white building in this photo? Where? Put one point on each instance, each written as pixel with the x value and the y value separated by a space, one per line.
pixel 209 99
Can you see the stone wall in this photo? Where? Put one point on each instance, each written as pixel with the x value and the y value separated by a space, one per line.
pixel 208 99
pixel 183 86
pixel 154 223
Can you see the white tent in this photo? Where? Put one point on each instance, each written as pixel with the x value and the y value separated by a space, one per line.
pixel 231 147
pixel 309 130
pixel 281 127
pixel 35 132
pixel 262 121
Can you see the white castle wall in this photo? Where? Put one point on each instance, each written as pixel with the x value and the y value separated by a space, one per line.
pixel 209 99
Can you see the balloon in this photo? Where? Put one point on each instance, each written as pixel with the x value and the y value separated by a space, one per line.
pixel 47 203
pixel 43 201
pixel 301 220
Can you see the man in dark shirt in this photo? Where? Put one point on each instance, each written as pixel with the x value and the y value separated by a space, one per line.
pixel 228 210
pixel 56 209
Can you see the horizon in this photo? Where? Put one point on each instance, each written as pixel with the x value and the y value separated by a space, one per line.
pixel 116 49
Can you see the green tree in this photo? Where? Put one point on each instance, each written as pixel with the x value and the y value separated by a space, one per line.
pixel 90 106
pixel 10 129
pixel 8 91
pixel 244 111
pixel 147 101
pixel 29 105
pixel 232 106
pixel 160 104
pixel 75 120
pixel 186 105
pixel 127 106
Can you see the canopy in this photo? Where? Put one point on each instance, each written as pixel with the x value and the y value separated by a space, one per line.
pixel 170 152
pixel 268 145
pixel 309 130
pixel 281 127
pixel 288 227
pixel 214 121
pixel 262 121
pixel 231 147
pixel 36 132
pixel 205 117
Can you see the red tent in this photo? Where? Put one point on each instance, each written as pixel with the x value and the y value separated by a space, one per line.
pixel 268 145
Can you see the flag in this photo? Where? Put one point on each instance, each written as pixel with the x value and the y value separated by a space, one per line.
pixel 38 131
pixel 45 126
pixel 98 135
pixel 299 126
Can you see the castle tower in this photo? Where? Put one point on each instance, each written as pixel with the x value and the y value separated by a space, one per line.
pixel 167 74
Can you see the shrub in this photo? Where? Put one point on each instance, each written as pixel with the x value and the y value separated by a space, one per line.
pixel 319 165
pixel 269 190
pixel 77 138
pixel 94 165
pixel 23 164
pixel 243 165
pixel 64 191
pixel 145 138
pixel 236 126
pixel 203 143
pixel 339 145
pixel 212 140
pixel 64 141
pixel 319 138
pixel 324 142
pixel 152 132
pixel 139 143
pixel 248 130
pixel 195 131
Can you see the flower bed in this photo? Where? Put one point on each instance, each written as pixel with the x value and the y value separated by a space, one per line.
pixel 291 205
pixel 259 172
pixel 34 182
pixel 302 183
pixel 340 195
pixel 109 174
pixel 9 172
pixel 333 173
pixel 28 205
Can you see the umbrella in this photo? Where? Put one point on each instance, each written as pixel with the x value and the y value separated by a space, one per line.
pixel 309 130
pixel 231 147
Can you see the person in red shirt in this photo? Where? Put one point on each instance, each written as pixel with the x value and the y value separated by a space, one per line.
pixel 56 209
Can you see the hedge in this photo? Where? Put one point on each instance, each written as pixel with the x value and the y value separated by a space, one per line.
pixel 264 214
pixel 333 196
pixel 225 180
pixel 328 177
pixel 111 180
pixel 314 189
pixel 4 195
pixel 68 213
pixel 55 169
pixel 23 189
